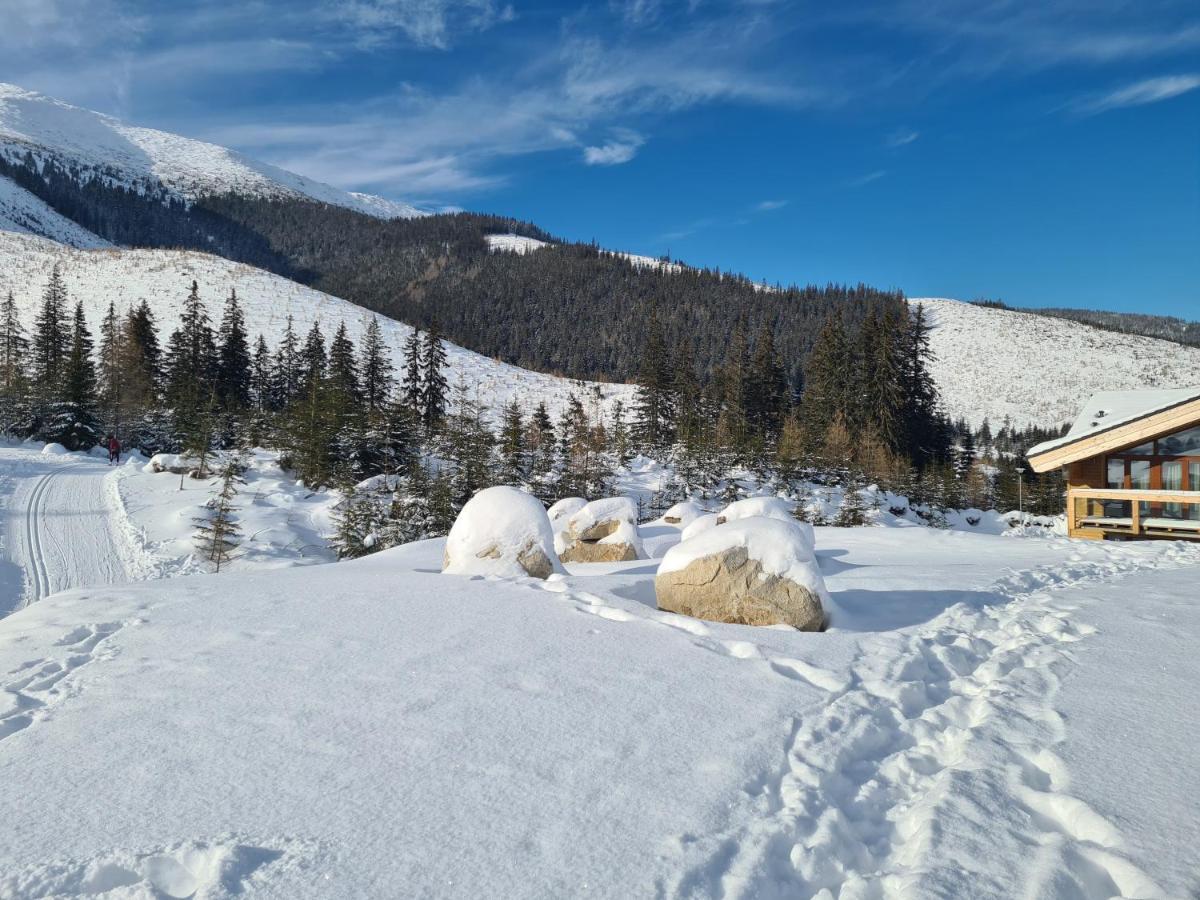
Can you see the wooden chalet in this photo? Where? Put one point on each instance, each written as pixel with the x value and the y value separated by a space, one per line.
pixel 1132 463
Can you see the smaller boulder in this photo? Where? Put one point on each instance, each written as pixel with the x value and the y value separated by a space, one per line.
pixel 603 531
pixel 501 531
pixel 755 571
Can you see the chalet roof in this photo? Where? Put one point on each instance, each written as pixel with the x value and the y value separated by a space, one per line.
pixel 1111 409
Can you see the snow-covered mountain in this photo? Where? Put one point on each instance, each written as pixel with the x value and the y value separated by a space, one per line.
pixel 163 278
pixel 1037 370
pixel 94 145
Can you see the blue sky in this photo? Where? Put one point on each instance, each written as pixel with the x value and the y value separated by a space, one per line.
pixel 1041 153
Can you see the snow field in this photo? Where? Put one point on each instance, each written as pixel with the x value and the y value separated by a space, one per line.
pixel 387 731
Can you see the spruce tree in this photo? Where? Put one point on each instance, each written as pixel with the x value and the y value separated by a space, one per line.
pixel 72 420
pixel 512 444
pixel 829 382
pixel 14 383
pixel 262 392
pixel 110 380
pixel 51 337
pixel 653 409
pixel 218 534
pixel 191 356
pixel 233 372
pixel 343 368
pixel 376 370
pixel 411 390
pixel 286 369
pixel 766 388
pixel 433 379
pixel 313 358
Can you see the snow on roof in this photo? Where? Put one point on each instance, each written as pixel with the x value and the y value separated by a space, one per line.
pixel 1110 409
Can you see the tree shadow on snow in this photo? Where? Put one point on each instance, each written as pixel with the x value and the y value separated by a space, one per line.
pixel 863 610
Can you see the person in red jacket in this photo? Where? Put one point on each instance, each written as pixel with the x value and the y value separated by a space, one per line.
pixel 114 449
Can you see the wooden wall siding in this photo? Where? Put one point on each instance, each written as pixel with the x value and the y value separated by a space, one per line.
pixel 1087 473
pixel 1129 435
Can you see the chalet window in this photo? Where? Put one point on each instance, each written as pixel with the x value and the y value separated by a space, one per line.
pixel 1182 443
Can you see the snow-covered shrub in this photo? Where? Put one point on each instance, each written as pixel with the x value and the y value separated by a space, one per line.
pixel 502 531
pixel 755 571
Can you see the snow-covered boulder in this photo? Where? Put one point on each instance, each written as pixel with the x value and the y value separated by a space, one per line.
pixel 698 525
pixel 765 508
pixel 603 531
pixel 54 450
pixel 683 514
pixel 501 531
pixel 754 571
pixel 170 462
pixel 560 511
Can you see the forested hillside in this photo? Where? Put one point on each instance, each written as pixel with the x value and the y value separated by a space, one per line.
pixel 570 309
pixel 1166 328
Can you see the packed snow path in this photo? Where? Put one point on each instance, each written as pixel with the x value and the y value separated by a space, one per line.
pixel 60 527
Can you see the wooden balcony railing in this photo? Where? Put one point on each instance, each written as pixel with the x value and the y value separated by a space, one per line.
pixel 1133 511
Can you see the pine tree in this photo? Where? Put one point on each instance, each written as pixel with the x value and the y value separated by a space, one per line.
pixel 343 368
pixel 433 379
pixel 218 534
pixel 653 408
pixel 51 337
pixel 262 391
pixel 829 380
pixel 286 369
pixel 766 388
pixel 110 382
pixel 512 444
pixel 360 522
pixel 412 389
pixel 313 359
pixel 14 384
pixel 72 420
pixel 852 511
pixel 233 357
pixel 685 388
pixel 881 399
pixel 191 356
pixel 376 370
pixel 542 452
pixel 732 383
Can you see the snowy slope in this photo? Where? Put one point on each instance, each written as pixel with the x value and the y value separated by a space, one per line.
pixel 22 212
pixel 146 159
pixel 516 243
pixel 163 278
pixel 1037 370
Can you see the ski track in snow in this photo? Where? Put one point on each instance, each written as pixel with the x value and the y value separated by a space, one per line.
pixel 62 531
pixel 938 737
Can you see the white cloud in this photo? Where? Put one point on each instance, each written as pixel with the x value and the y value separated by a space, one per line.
pixel 431 23
pixel 1151 90
pixel 768 205
pixel 621 149
pixel 902 137
pixel 863 180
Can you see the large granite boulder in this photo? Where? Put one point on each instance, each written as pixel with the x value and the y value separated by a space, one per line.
pixel 603 531
pixel 501 531
pixel 755 571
